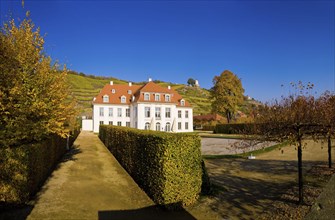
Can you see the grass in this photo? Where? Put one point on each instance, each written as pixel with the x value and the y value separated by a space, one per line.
pixel 223 136
pixel 252 189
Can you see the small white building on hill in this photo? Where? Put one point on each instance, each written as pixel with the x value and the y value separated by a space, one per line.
pixel 149 107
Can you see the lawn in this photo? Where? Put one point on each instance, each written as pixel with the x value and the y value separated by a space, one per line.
pixel 254 189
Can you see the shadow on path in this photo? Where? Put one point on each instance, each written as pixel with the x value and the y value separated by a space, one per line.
pixel 245 189
pixel 18 212
pixel 147 213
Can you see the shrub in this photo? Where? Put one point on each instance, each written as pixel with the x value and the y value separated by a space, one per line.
pixel 24 169
pixel 166 166
pixel 208 127
pixel 235 128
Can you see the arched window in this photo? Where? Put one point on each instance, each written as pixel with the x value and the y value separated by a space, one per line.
pixel 182 102
pixel 167 98
pixel 158 126
pixel 123 99
pixel 105 98
pixel 168 127
pixel 113 91
pixel 147 126
pixel 146 96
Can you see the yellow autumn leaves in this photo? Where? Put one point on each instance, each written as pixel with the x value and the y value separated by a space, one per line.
pixel 34 97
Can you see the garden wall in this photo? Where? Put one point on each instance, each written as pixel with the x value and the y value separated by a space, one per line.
pixel 167 166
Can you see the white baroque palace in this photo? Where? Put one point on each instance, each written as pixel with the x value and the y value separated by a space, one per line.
pixel 146 107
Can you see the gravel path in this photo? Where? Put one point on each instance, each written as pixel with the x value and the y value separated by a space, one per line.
pixel 87 185
pixel 219 146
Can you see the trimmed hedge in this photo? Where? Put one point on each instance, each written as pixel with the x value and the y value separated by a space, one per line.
pixel 234 129
pixel 24 169
pixel 167 166
pixel 208 127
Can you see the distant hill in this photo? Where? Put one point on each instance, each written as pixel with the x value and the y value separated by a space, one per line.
pixel 85 87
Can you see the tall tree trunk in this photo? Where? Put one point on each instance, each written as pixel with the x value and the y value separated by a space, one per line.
pixel 300 180
pixel 228 117
pixel 329 152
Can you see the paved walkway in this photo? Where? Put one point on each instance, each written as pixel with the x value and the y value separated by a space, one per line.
pixel 223 146
pixel 89 184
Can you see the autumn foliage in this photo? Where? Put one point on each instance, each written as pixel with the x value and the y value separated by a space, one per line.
pixel 34 98
pixel 227 94
pixel 298 117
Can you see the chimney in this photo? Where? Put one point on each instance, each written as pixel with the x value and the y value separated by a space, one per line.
pixel 111 82
pixel 130 84
pixel 149 80
pixel 169 87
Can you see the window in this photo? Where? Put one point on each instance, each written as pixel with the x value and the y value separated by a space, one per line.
pixel 119 112
pixel 182 102
pixel 110 112
pixel 127 112
pixel 179 113
pixel 146 96
pixel 186 125
pixel 101 122
pixel 123 99
pixel 157 112
pixel 147 112
pixel 129 92
pixel 167 112
pixel 119 123
pixel 110 123
pixel 105 98
pixel 127 124
pixel 168 127
pixel 157 97
pixel 186 114
pixel 179 125
pixel 158 126
pixel 113 91
pixel 167 98
pixel 147 126
pixel 101 111
pixel 135 111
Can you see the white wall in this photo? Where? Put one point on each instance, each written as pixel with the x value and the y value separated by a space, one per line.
pixel 183 120
pixel 106 118
pixel 87 125
pixel 140 120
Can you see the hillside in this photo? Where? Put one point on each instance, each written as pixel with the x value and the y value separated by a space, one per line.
pixel 85 88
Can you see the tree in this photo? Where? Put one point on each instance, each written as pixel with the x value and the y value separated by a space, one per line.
pixel 325 105
pixel 191 82
pixel 227 94
pixel 34 99
pixel 292 119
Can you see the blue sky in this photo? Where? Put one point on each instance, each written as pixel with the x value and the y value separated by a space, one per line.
pixel 266 43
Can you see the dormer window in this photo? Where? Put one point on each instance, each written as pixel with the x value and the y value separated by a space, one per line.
pixel 167 98
pixel 113 91
pixel 123 99
pixel 146 96
pixel 105 98
pixel 182 102
pixel 157 97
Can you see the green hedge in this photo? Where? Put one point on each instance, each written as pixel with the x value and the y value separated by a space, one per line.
pixel 167 166
pixel 234 128
pixel 24 169
pixel 208 127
